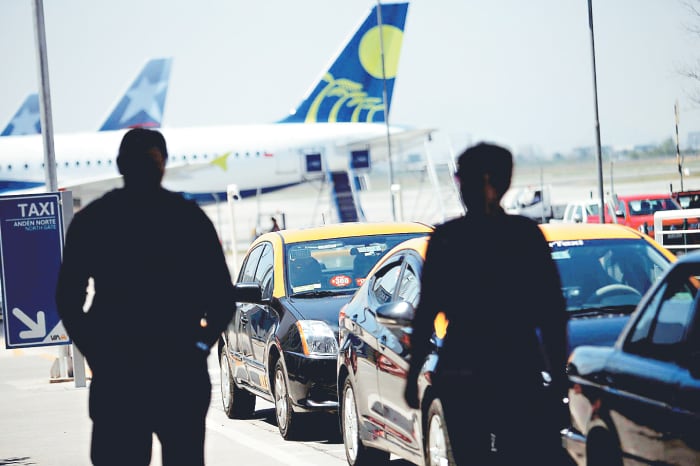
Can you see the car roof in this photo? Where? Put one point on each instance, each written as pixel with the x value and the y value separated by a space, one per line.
pixel 571 231
pixel 343 230
pixel 634 197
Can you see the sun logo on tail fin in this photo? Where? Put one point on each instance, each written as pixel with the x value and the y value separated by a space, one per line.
pixel 370 51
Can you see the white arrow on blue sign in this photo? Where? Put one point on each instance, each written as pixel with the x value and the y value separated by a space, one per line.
pixel 31 247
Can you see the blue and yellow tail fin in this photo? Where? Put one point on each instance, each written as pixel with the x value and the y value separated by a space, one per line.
pixel 143 102
pixel 352 89
pixel 27 119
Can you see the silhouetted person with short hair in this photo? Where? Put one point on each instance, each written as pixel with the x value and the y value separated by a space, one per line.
pixel 162 296
pixel 275 225
pixel 494 277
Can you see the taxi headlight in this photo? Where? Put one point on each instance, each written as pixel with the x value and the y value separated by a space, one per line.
pixel 317 338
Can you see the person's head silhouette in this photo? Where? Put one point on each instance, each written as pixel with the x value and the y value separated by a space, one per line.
pixel 484 173
pixel 141 159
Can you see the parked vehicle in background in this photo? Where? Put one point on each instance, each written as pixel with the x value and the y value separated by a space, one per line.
pixel 638 402
pixel 587 211
pixel 605 269
pixel 283 347
pixel 687 199
pixel 535 203
pixel 637 210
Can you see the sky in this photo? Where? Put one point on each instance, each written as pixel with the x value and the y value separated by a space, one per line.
pixel 514 72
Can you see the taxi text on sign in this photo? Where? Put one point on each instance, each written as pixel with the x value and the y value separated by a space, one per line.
pixel 31 247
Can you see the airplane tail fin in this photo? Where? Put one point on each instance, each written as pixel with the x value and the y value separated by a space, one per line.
pixel 26 120
pixel 352 89
pixel 143 102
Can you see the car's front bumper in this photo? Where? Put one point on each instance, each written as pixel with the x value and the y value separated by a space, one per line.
pixel 312 382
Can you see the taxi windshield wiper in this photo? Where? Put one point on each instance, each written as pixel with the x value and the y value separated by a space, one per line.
pixel 594 310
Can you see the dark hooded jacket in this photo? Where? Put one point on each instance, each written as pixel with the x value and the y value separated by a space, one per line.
pixel 158 269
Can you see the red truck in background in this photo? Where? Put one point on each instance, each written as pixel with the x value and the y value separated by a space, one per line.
pixel 637 211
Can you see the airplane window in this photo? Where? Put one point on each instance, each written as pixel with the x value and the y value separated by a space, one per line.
pixel 77 163
pixel 194 156
pixel 257 154
pixel 236 155
pixel 87 163
pixel 26 166
pixel 65 164
pixel 9 167
pixel 247 154
pixel 99 162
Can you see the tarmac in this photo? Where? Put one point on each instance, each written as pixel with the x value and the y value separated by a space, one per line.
pixel 44 421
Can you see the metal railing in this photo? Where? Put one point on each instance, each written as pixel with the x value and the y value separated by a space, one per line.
pixel 678 241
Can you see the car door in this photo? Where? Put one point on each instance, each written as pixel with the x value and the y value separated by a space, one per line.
pixel 403 425
pixel 239 329
pixel 644 377
pixel 235 335
pixel 262 320
pixel 366 331
pixel 684 446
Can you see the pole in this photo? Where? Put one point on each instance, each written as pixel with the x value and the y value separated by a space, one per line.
pixel 392 189
pixel 679 159
pixel 597 121
pixel 45 98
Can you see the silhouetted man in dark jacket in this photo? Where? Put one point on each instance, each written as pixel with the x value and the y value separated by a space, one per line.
pixel 162 296
pixel 493 276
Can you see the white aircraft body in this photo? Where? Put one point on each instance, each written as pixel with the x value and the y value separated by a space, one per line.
pixel 341 121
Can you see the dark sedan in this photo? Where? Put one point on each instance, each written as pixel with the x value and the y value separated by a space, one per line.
pixel 372 368
pixel 638 402
pixel 283 346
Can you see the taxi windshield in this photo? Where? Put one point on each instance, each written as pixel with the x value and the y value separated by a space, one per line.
pixel 606 272
pixel 338 264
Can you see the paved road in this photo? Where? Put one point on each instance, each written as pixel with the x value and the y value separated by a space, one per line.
pixel 44 423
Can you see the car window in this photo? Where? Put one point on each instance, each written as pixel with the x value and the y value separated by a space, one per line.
pixel 251 263
pixel 607 272
pixel 409 288
pixel 663 325
pixel 384 286
pixel 263 273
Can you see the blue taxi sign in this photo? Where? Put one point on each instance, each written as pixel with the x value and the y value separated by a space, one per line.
pixel 31 247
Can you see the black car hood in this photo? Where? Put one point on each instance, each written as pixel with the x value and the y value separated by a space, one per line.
pixel 326 308
pixel 599 330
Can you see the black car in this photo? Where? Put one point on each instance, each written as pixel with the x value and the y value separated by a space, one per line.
pixel 372 368
pixel 283 346
pixel 638 402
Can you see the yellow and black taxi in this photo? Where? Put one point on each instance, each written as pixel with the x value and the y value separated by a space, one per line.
pixel 283 346
pixel 605 270
pixel 638 401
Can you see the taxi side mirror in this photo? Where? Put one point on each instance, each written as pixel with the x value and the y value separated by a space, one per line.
pixel 395 315
pixel 247 293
